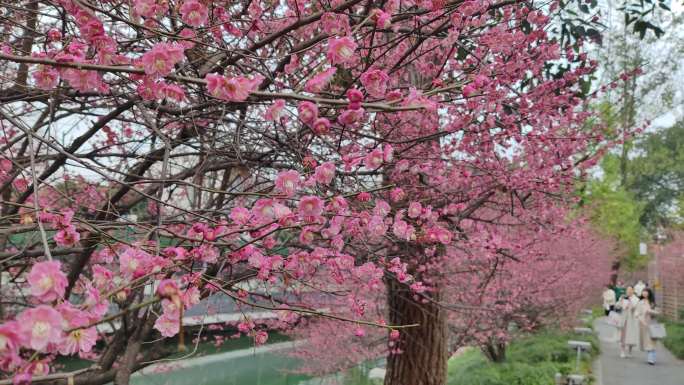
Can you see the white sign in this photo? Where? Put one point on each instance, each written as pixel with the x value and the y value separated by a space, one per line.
pixel 642 248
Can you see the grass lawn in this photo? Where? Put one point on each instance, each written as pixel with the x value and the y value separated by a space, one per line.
pixel 675 338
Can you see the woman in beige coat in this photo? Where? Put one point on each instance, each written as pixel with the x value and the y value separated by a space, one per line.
pixel 629 329
pixel 644 310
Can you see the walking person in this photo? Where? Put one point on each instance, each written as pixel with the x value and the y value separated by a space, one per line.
pixel 629 331
pixel 608 299
pixel 639 287
pixel 644 310
pixel 619 290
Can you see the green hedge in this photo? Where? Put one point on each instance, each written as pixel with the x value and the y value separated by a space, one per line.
pixel 533 360
pixel 675 338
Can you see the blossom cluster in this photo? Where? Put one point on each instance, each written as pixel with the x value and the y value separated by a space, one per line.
pixel 322 161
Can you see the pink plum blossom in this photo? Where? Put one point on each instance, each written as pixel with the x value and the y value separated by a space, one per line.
pixel 355 98
pixel 350 116
pixel 480 81
pixel 363 196
pixel 321 126
pixel 68 236
pixel 9 339
pixel 168 288
pixel 167 325
pixel 310 206
pixel 307 236
pixel 317 83
pixel 388 153
pixel 376 227
pixel 176 253
pixel 403 230
pixel 39 327
pixel 439 234
pixel 383 20
pixel 335 23
pixel 287 182
pixel 79 340
pixel 325 173
pixel 375 82
pixel 275 110
pixel 235 89
pixel 194 13
pixel 188 35
pixel 160 60
pixel 374 159
pixel 341 50
pixel 245 326
pixel 397 194
pixel 308 112
pixel 133 263
pixel 54 34
pixel 338 204
pixel 173 92
pixel 146 8
pixel 191 296
pixel 468 90
pixel 46 78
pixel 415 209
pixel 82 80
pixel 47 281
pixel 240 215
pixel 260 337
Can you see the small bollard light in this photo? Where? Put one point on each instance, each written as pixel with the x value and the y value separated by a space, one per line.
pixel 581 330
pixel 580 346
pixel 559 379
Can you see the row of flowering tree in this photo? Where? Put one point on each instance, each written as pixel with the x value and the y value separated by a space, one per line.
pixel 496 285
pixel 411 159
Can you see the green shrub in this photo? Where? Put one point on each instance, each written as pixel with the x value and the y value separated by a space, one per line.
pixel 675 338
pixel 532 360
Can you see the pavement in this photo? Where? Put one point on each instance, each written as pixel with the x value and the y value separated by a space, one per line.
pixel 610 369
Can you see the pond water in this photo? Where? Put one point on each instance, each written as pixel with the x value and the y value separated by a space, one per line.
pixel 260 366
pixel 236 362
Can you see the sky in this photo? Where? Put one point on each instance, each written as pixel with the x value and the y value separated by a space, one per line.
pixel 678 7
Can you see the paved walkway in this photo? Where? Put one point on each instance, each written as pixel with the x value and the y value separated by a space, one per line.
pixel 610 369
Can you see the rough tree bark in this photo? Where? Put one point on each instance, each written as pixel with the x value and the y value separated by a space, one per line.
pixel 424 357
pixel 495 350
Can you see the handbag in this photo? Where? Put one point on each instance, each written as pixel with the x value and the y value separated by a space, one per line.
pixel 615 319
pixel 657 331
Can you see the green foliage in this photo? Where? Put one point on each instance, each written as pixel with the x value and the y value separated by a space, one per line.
pixel 358 376
pixel 656 176
pixel 641 16
pixel 636 12
pixel 596 312
pixel 640 190
pixel 615 212
pixel 675 338
pixel 532 360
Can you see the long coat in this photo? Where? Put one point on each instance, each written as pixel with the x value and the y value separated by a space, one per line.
pixel 643 315
pixel 630 326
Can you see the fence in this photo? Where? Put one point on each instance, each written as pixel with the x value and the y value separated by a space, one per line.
pixel 667 272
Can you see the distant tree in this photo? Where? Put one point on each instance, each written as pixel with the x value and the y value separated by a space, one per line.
pixel 615 212
pixel 656 177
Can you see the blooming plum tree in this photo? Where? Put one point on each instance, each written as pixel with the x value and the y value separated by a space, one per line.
pixel 251 148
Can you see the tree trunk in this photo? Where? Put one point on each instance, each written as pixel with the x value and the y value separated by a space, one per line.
pixel 423 360
pixel 495 350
